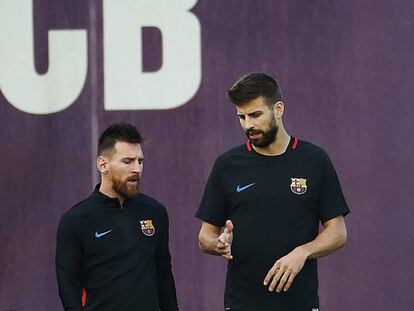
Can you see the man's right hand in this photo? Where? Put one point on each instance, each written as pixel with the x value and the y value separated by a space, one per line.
pixel 224 241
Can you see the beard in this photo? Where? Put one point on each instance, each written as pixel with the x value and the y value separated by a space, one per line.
pixel 268 136
pixel 124 189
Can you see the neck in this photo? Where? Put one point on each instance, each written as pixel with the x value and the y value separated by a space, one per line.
pixel 107 189
pixel 278 147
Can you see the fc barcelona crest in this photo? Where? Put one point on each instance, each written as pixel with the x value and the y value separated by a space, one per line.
pixel 298 185
pixel 147 227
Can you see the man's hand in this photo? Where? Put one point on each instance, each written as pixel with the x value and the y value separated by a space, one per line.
pixel 283 272
pixel 332 237
pixel 224 241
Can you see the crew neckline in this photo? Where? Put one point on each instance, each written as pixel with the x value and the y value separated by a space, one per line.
pixel 292 146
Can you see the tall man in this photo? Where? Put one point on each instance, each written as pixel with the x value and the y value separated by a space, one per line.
pixel 112 248
pixel 269 195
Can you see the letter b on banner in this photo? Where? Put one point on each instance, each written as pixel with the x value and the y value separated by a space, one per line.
pixel 127 87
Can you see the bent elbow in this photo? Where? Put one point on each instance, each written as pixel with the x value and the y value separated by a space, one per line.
pixel 342 239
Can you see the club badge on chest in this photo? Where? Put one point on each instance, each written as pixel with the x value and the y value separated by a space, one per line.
pixel 147 227
pixel 298 185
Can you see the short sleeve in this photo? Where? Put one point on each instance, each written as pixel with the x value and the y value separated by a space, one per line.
pixel 213 209
pixel 331 201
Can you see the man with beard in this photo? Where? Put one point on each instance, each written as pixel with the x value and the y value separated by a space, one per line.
pixel 262 206
pixel 112 248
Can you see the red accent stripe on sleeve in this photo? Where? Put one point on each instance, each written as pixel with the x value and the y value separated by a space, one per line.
pixel 295 143
pixel 84 295
pixel 249 147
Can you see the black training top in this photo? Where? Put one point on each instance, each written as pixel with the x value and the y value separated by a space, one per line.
pixel 117 254
pixel 275 204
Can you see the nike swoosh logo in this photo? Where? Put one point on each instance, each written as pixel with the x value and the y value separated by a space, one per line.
pixel 240 189
pixel 98 235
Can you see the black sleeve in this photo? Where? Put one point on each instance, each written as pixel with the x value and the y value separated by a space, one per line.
pixel 213 208
pixel 68 260
pixel 331 201
pixel 165 280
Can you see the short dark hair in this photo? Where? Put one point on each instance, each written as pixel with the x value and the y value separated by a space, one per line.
pixel 118 132
pixel 252 86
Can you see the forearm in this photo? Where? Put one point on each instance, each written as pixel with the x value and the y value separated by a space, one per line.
pixel 331 238
pixel 70 294
pixel 167 293
pixel 68 262
pixel 165 281
pixel 208 243
pixel 211 241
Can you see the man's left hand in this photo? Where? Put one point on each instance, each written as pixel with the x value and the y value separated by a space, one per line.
pixel 285 269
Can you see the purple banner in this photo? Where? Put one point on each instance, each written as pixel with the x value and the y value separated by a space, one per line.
pixel 68 69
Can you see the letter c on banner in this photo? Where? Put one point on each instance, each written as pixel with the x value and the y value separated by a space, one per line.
pixel 127 87
pixel 22 86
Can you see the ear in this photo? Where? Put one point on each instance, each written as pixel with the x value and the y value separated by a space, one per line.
pixel 278 109
pixel 102 165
